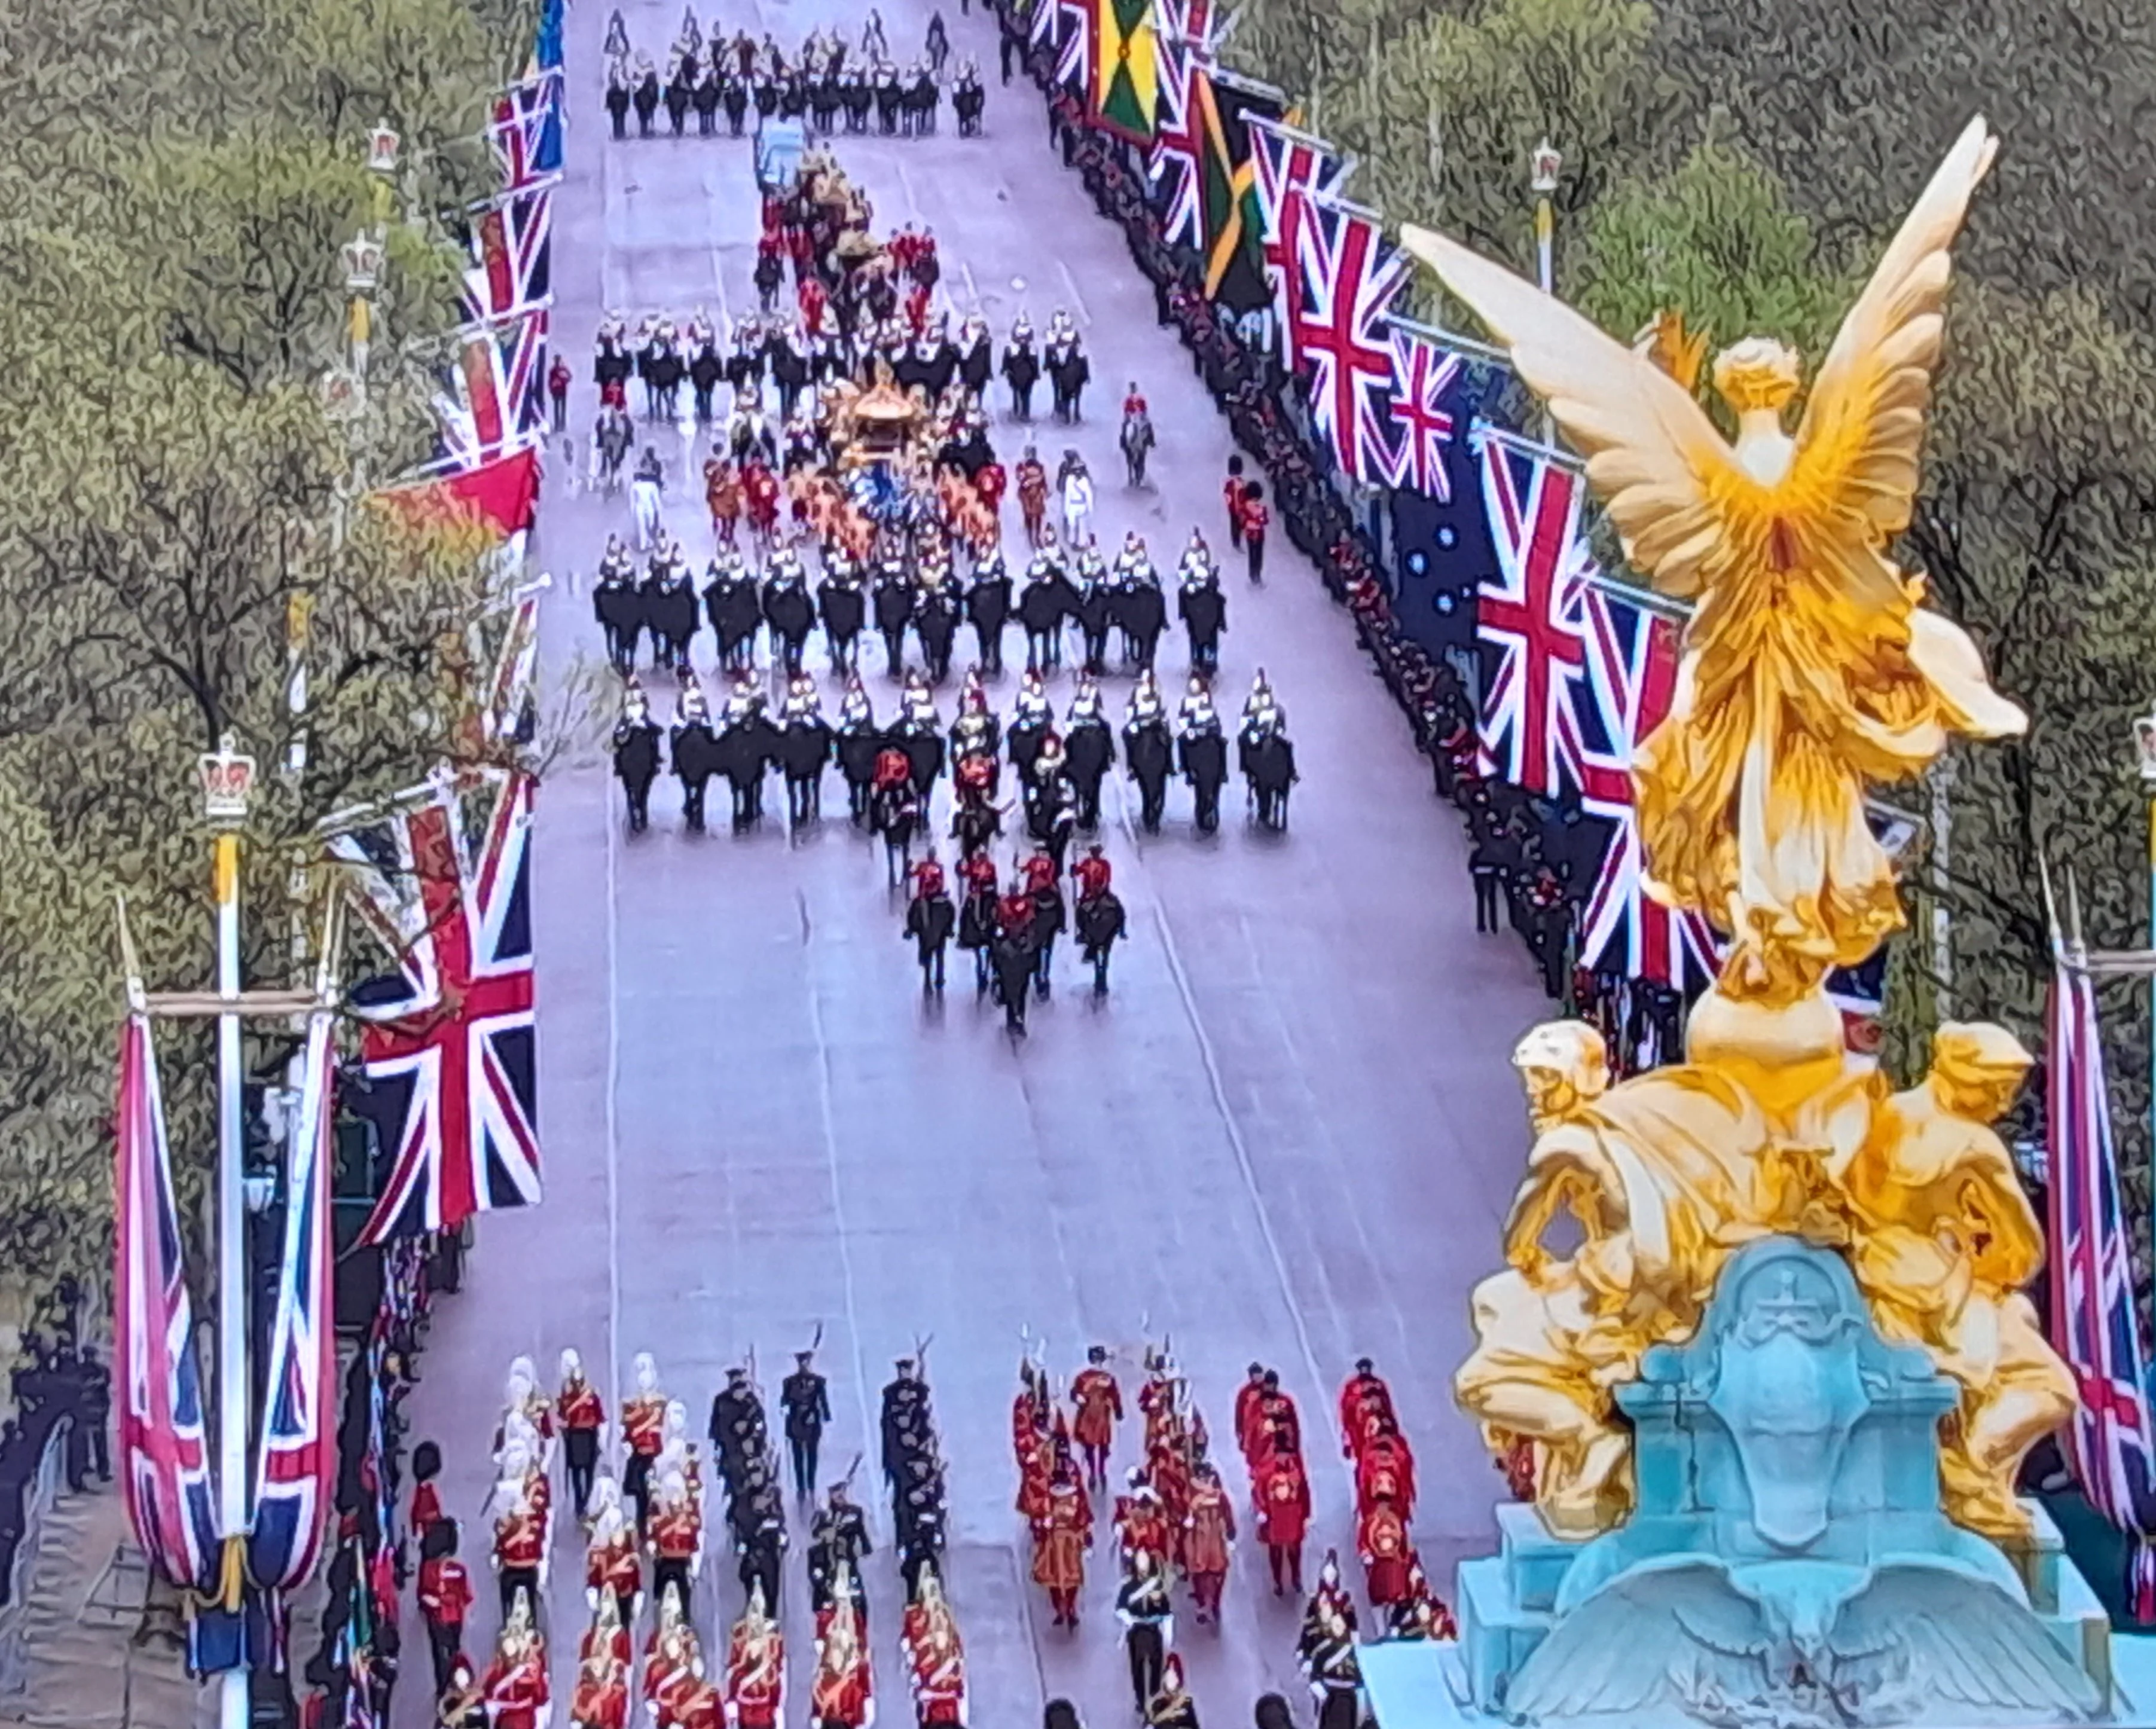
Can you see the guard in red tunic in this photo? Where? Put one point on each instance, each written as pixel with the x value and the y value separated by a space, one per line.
pixel 582 1416
pixel 445 1594
pixel 928 881
pixel 676 1533
pixel 935 1656
pixel 1097 1399
pixel 1283 1502
pixel 1141 1520
pixel 644 1431
pixel 519 1535
pixel 1208 1537
pixel 1060 1542
pixel 755 1669
pixel 600 1699
pixel 843 1694
pixel 1363 1395
pixel 673 1663
pixel 1093 874
pixel 612 1567
pixel 514 1686
pixel 1385 1472
pixel 1381 1539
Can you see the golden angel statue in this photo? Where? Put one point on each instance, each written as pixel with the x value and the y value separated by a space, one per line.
pixel 1809 671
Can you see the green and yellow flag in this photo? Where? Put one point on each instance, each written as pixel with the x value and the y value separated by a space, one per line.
pixel 1125 74
pixel 1231 222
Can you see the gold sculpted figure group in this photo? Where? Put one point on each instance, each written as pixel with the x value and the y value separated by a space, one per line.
pixel 1810 673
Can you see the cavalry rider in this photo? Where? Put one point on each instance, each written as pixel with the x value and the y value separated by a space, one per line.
pixel 636 755
pixel 1099 918
pixel 930 919
pixel 1201 605
pixel 977 913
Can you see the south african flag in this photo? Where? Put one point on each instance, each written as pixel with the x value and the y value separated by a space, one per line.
pixel 1126 73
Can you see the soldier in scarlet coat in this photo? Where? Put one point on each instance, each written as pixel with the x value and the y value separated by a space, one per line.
pixel 445 1595
pixel 600 1699
pixel 1363 1395
pixel 1209 1536
pixel 935 1656
pixel 1141 1520
pixel 1283 1505
pixel 1096 1401
pixel 1060 1539
pixel 520 1530
pixel 642 1430
pixel 842 1695
pixel 755 1669
pixel 1381 1539
pixel 676 1533
pixel 611 1567
pixel 673 1663
pixel 580 1415
pixel 514 1686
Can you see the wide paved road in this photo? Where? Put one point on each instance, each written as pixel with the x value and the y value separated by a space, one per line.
pixel 1288 1135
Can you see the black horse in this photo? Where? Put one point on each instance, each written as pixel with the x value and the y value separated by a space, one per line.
pixel 804 748
pixel 1268 764
pixel 1205 764
pixel 1089 751
pixel 695 761
pixel 929 921
pixel 895 813
pixel 1099 923
pixel 1150 755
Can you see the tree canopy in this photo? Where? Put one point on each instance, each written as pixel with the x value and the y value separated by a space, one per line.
pixel 181 176
pixel 1746 164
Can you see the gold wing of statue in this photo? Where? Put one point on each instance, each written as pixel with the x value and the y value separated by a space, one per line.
pixel 1689 516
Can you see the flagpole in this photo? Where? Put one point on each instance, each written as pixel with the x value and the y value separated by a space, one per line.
pixel 228 777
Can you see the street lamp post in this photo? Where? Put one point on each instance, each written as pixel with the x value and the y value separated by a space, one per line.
pixel 2144 750
pixel 1543 169
pixel 228 783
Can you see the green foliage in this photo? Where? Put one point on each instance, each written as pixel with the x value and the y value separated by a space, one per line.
pixel 1746 166
pixel 181 176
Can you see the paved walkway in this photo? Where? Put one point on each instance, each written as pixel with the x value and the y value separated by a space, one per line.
pixel 1289 1134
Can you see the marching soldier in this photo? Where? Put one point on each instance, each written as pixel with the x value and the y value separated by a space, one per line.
pixel 1060 1539
pixel 515 1687
pixel 445 1595
pixel 642 1432
pixel 1336 1673
pixel 582 1416
pixel 905 1412
pixel 736 1429
pixel 1096 1401
pixel 936 1656
pixel 1209 1541
pixel 1173 1706
pixel 519 1529
pixel 842 1694
pixel 760 1543
pixel 1283 1499
pixel 1143 1606
pixel 636 755
pixel 837 1543
pixel 611 1566
pixel 805 1398
pixel 755 1669
pixel 676 1535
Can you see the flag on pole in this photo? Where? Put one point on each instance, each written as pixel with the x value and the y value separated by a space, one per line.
pixel 1631 676
pixel 295 1470
pixel 1529 619
pixel 456 1044
pixel 1348 275
pixel 2094 1323
pixel 1126 69
pixel 512 247
pixel 1423 411
pixel 1292 168
pixel 1074 59
pixel 526 130
pixel 164 1448
pixel 1184 47
pixel 1231 225
pixel 496 404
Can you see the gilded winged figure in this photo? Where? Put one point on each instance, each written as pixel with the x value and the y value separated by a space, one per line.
pixel 1810 671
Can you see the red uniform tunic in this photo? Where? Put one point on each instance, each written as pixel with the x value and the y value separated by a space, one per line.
pixel 580 1407
pixel 1381 1539
pixel 761 490
pixel 445 1591
pixel 891 768
pixel 1097 1399
pixel 1248 1398
pixel 1386 1473
pixel 939 1687
pixel 1361 1396
pixel 613 1566
pixel 843 1696
pixel 1142 1523
pixel 644 1423
pixel 928 880
pixel 990 483
pixel 1255 519
pixel 601 1698
pixel 1283 1501
pixel 1060 1541
pixel 1093 877
pixel 976 775
pixel 756 1679
pixel 1035 1478
pixel 1014 914
pixel 516 1691
pixel 676 1532
pixel 698 1706
pixel 978 873
pixel 665 1681
pixel 426 1507
pixel 1210 1528
pixel 520 1539
pixel 1040 873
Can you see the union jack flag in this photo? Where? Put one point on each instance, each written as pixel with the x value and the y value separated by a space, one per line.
pixel 164 1452
pixel 511 244
pixel 496 406
pixel 454 907
pixel 1421 413
pixel 295 1473
pixel 1074 62
pixel 2093 1322
pixel 1293 168
pixel 1631 676
pixel 1185 43
pixel 526 131
pixel 1529 619
pixel 1042 25
pixel 1347 275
